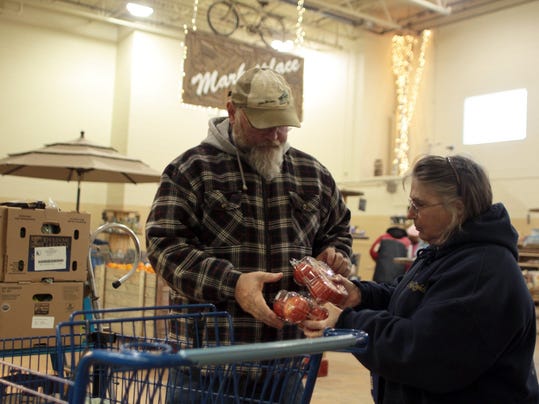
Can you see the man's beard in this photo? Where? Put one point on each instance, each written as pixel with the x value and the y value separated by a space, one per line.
pixel 267 161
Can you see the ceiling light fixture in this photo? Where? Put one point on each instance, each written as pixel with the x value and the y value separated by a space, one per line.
pixel 282 46
pixel 139 10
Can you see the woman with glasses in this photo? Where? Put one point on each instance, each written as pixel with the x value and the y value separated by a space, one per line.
pixel 459 326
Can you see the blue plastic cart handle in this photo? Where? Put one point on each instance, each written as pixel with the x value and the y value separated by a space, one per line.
pixel 356 340
pixel 268 350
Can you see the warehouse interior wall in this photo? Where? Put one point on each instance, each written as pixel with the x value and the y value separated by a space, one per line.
pixel 60 75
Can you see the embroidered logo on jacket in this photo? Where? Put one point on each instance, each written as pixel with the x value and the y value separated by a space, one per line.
pixel 417 287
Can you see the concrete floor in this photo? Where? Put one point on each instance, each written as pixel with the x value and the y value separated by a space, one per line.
pixel 347 381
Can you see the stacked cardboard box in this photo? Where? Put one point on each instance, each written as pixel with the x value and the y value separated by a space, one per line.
pixel 43 269
pixel 139 290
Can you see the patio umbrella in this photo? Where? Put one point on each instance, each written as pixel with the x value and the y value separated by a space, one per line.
pixel 78 160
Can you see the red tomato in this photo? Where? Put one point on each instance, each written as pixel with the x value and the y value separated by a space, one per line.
pixel 278 308
pixel 302 272
pixel 318 313
pixel 317 276
pixel 296 308
pixel 327 291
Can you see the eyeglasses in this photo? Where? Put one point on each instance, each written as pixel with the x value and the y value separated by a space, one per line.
pixel 418 208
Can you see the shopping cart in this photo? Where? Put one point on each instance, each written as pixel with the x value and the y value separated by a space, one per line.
pixel 286 374
pixel 144 359
pixel 182 354
pixel 58 355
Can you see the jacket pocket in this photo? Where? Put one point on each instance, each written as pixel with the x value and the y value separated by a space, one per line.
pixel 222 219
pixel 305 218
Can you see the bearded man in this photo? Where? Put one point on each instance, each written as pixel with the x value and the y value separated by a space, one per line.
pixel 230 213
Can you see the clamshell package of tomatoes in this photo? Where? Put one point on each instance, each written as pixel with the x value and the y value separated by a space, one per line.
pixel 317 276
pixel 294 307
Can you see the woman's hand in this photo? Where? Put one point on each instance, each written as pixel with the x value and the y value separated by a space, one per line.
pixel 312 328
pixel 336 260
pixel 354 295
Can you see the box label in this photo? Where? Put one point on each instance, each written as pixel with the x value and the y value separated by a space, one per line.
pixel 50 258
pixel 49 253
pixel 42 322
pixel 41 309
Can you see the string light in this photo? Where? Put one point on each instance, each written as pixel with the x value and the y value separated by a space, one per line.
pixel 194 19
pixel 300 32
pixel 406 90
pixel 185 32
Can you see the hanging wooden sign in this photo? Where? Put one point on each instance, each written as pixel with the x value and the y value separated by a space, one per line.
pixel 213 64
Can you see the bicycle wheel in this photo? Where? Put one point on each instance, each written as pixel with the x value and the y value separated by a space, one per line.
pixel 271 29
pixel 223 18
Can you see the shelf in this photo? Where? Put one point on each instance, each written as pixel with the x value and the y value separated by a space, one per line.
pixel 390 181
pixel 530 212
pixel 128 218
pixel 349 192
pixel 524 254
pixel 529 265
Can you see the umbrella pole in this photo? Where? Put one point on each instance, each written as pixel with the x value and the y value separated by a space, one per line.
pixel 78 195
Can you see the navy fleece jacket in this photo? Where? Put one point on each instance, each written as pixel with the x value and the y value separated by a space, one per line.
pixel 459 327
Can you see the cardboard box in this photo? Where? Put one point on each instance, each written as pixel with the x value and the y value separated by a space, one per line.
pixel 34 309
pixel 139 290
pixel 38 244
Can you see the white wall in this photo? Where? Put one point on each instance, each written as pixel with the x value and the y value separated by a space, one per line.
pixel 484 55
pixel 124 90
pixel 53 86
pixel 126 93
pixel 481 55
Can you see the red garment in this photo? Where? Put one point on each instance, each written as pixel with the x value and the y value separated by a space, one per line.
pixel 394 233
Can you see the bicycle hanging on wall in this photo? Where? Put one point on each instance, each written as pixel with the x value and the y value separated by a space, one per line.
pixel 226 16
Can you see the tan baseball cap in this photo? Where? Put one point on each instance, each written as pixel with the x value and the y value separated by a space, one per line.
pixel 266 98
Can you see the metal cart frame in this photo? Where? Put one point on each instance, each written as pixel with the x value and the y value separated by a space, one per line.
pixel 108 359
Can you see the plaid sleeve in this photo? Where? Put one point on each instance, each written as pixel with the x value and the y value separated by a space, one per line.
pixel 173 243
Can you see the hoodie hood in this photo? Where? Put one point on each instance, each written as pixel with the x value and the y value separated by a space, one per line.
pixel 492 227
pixel 218 135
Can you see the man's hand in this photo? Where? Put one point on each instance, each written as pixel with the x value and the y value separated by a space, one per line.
pixel 336 260
pixel 249 296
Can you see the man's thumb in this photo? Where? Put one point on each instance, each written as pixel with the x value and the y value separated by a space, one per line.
pixel 272 277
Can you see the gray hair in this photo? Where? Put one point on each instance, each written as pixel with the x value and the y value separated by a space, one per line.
pixel 455 178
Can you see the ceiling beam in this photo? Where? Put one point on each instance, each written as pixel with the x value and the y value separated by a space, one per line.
pixel 438 8
pixel 348 14
pixel 461 10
